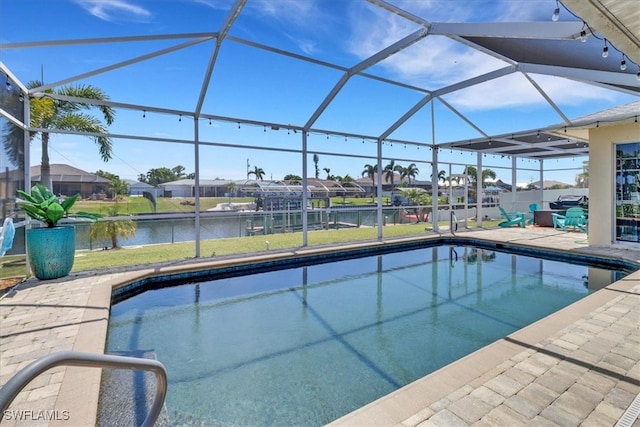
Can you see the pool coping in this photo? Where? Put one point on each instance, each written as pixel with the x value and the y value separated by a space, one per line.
pixel 481 365
pixel 78 391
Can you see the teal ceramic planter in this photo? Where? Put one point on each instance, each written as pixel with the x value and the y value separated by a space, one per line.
pixel 51 251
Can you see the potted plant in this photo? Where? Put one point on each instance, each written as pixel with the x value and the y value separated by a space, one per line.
pixel 50 249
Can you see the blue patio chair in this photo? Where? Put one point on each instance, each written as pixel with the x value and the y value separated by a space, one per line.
pixel 7 233
pixel 574 218
pixel 533 207
pixel 512 218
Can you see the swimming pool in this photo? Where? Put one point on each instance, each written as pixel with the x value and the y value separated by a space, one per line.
pixel 304 346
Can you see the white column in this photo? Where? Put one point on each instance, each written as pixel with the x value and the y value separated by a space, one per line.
pixel 479 188
pixel 305 198
pixel 434 188
pixel 379 188
pixel 541 182
pixel 196 157
pixel 514 177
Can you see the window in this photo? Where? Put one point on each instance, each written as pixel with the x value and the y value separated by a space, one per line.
pixel 628 192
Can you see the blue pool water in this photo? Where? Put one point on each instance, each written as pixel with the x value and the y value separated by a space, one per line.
pixel 304 346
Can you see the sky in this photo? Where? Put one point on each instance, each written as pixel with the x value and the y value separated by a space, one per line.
pixel 257 85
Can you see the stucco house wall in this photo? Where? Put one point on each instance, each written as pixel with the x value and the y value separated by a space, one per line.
pixel 602 142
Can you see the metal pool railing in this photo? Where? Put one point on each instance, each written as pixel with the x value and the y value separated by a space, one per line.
pixel 69 358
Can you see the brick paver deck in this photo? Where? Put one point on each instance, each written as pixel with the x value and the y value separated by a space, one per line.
pixel 578 366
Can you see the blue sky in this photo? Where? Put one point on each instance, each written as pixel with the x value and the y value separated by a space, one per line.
pixel 258 85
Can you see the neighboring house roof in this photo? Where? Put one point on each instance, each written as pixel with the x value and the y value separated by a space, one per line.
pixel 137 184
pixel 549 184
pixel 203 182
pixel 66 173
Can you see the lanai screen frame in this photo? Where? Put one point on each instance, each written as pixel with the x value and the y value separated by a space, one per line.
pixel 500 36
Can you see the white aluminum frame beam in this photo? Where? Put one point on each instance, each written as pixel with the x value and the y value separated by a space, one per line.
pixel 121 64
pixel 378 57
pixel 565 30
pixel 224 29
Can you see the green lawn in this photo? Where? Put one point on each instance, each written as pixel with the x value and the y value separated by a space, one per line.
pixel 89 260
pixel 97 259
pixel 140 205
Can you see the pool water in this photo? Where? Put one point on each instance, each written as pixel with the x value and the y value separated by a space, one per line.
pixel 305 346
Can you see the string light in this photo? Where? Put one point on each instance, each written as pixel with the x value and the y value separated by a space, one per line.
pixel 583 33
pixel 144 114
pixel 180 118
pixel 605 49
pixel 623 64
pixel 238 125
pixel 556 13
pixel 209 122
pixel 8 83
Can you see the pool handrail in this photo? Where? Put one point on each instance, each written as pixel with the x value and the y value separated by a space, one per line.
pixel 73 358
pixel 453 223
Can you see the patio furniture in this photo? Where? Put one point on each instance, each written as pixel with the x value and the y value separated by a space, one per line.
pixel 512 218
pixel 569 201
pixel 533 207
pixel 544 217
pixel 575 218
pixel 7 233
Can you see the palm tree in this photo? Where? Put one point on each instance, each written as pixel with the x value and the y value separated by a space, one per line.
pixel 371 172
pixel 328 171
pixel 118 188
pixel 230 187
pixel 442 176
pixel 49 113
pixel 472 173
pixel 418 198
pixel 316 159
pixel 582 180
pixel 409 172
pixel 390 169
pixel 486 174
pixel 258 172
pixel 113 228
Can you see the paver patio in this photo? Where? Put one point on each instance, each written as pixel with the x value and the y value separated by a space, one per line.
pixel 578 366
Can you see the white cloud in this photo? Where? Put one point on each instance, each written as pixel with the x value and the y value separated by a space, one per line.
pixel 115 10
pixel 436 61
pixel 516 91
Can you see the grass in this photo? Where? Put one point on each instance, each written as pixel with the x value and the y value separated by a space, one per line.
pixel 140 255
pixel 90 260
pixel 140 205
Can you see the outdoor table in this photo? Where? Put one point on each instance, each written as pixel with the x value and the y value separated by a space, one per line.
pixel 544 217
